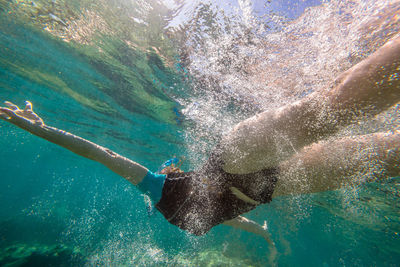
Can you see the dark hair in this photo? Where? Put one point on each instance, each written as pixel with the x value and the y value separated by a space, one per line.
pixel 173 168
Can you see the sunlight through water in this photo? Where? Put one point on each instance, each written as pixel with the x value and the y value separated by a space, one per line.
pixel 162 78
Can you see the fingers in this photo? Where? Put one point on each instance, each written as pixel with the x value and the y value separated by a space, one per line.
pixel 12 106
pixel 28 106
pixel 5 113
pixel 16 115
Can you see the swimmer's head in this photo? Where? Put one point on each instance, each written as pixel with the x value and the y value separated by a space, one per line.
pixel 171 169
pixel 171 166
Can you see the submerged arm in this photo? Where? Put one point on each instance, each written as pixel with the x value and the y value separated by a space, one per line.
pixel 29 121
pixel 266 139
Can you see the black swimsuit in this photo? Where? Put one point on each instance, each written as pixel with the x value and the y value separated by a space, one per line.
pixel 197 201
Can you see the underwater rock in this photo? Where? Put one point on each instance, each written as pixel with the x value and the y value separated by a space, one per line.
pixel 40 255
pixel 211 258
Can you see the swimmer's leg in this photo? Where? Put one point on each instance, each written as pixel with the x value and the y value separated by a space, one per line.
pixel 329 165
pixel 250 226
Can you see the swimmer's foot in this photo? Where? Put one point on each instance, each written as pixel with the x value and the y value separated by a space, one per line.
pixel 265 226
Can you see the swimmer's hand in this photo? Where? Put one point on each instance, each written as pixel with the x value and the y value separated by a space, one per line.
pixel 20 117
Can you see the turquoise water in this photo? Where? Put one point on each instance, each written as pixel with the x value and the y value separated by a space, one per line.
pixel 58 209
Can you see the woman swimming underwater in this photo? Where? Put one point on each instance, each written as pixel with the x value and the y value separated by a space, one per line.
pixel 251 166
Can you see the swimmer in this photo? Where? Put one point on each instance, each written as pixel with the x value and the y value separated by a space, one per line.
pixel 251 166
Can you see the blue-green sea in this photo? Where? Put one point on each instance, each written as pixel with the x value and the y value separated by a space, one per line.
pixel 129 76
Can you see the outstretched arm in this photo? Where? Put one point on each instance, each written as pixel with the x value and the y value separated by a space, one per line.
pixel 29 121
